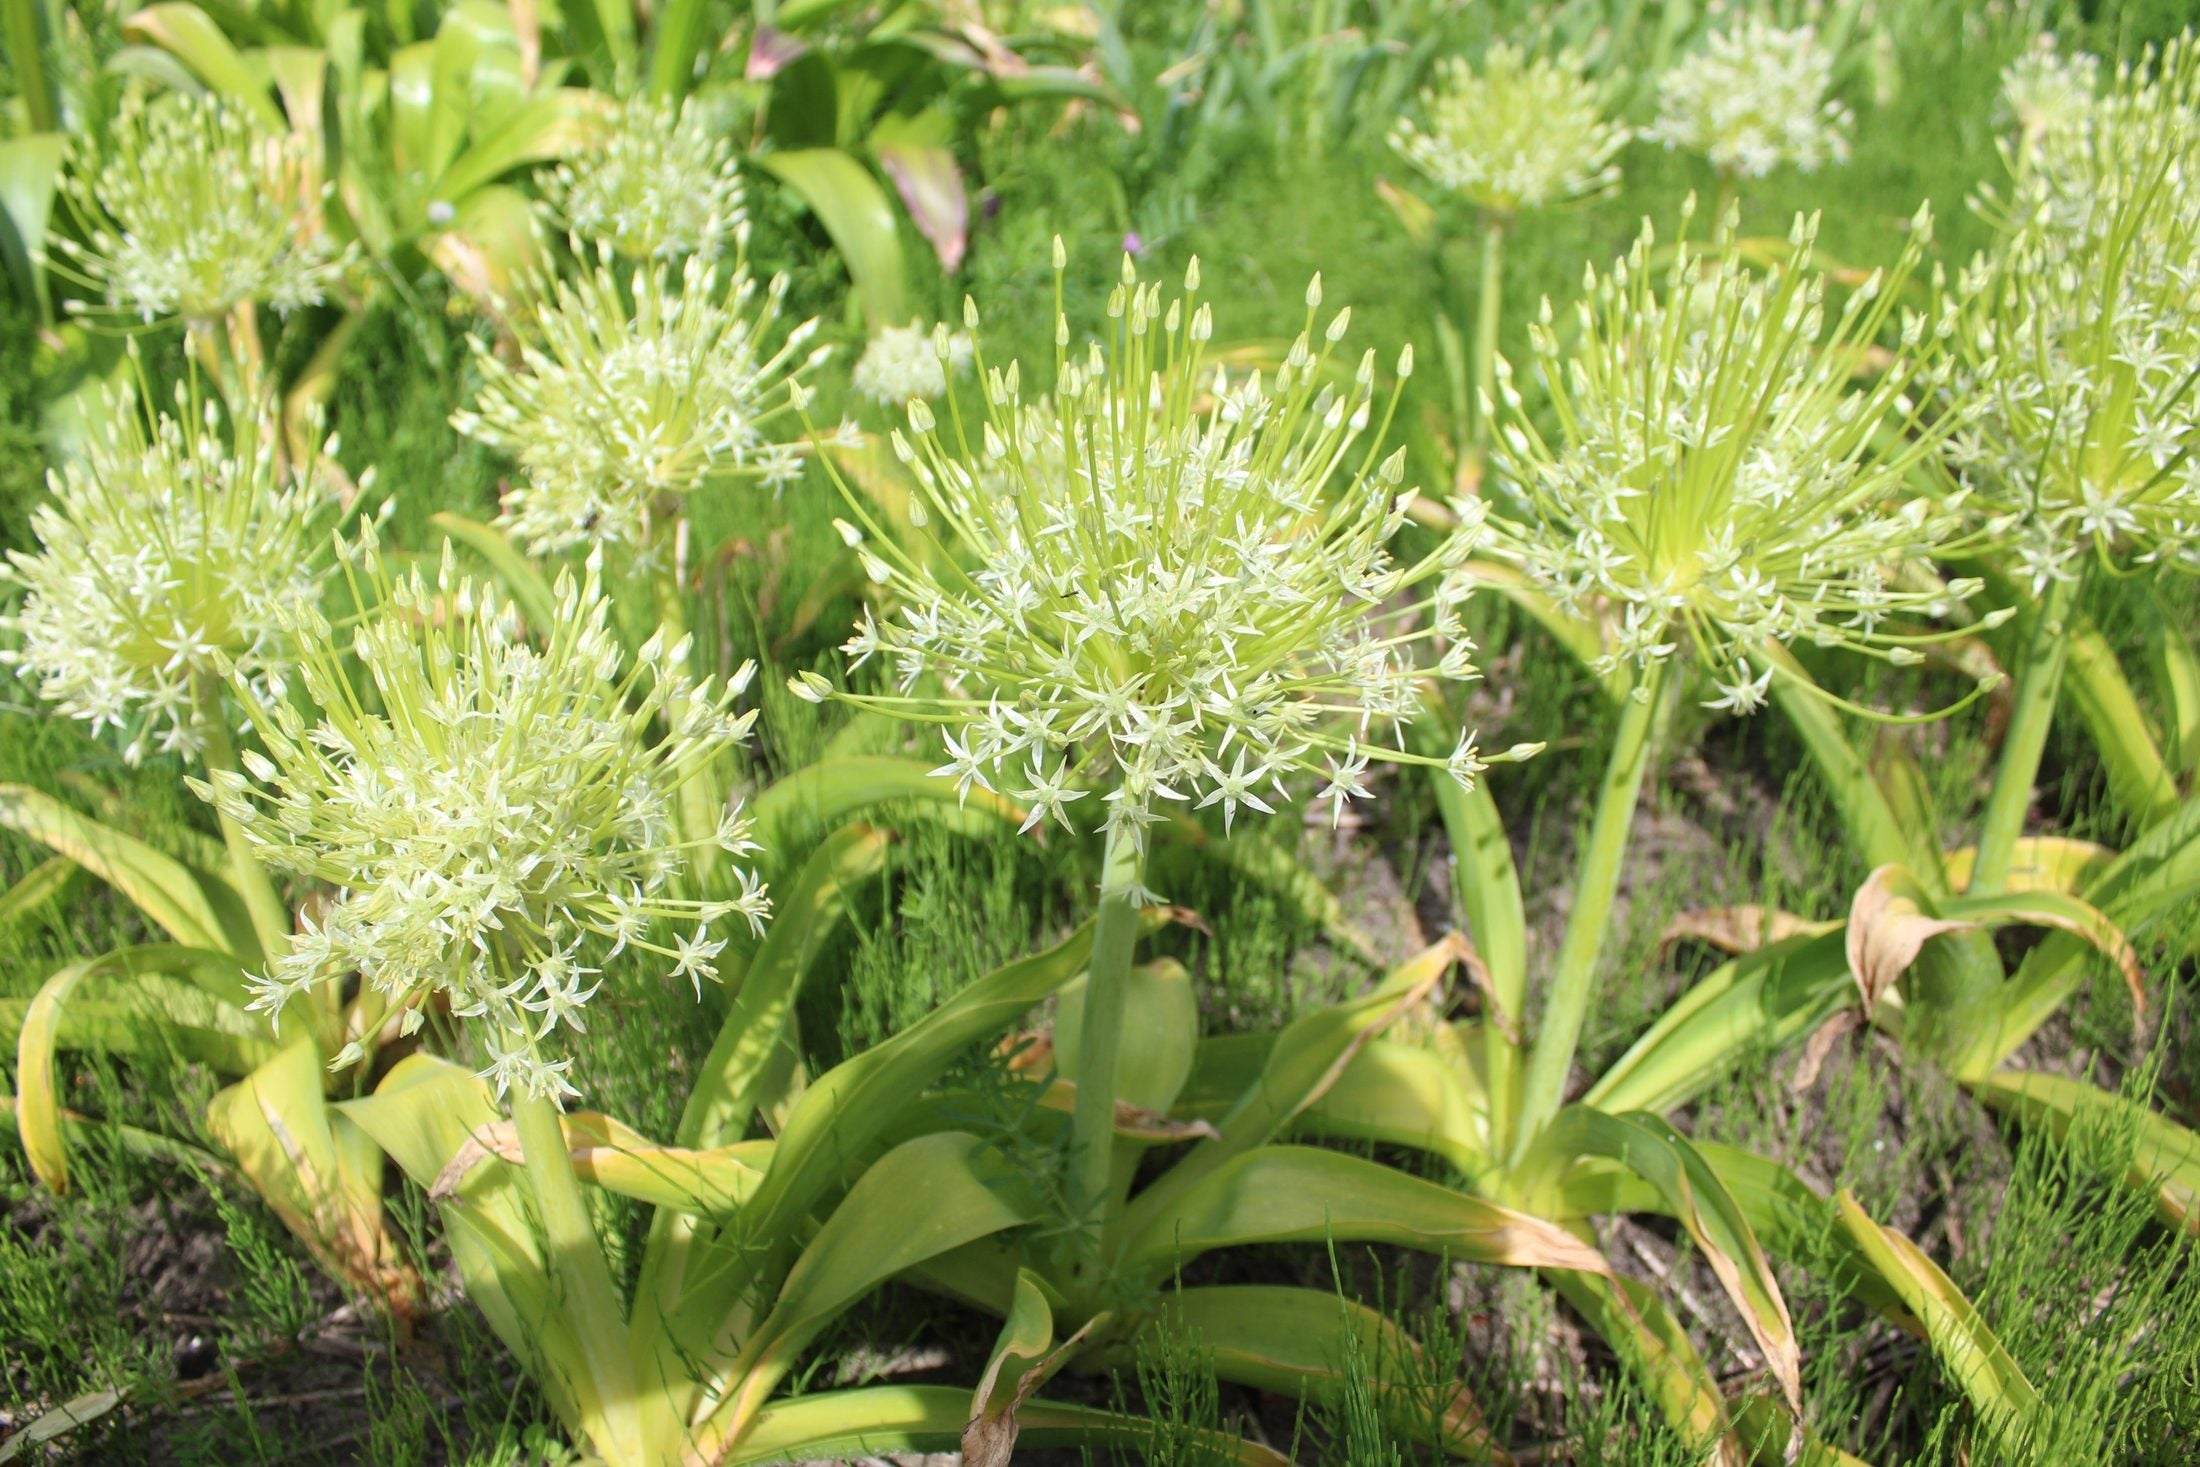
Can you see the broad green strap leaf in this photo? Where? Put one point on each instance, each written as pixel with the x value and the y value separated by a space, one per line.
pixel 796 812
pixel 1024 1359
pixel 1755 1004
pixel 421 1115
pixel 134 1139
pixel 854 210
pixel 1306 1060
pixel 30 172
pixel 1314 1345
pixel 530 591
pixel 924 1198
pixel 1694 1195
pixel 616 1157
pixel 2138 776
pixel 188 905
pixel 1967 1348
pixel 2041 863
pixel 1798 1222
pixel 1160 1034
pixel 316 1171
pixel 538 131
pixel 1298 1194
pixel 2164 1157
pixel 2064 913
pixel 2177 671
pixel 1401 1094
pixel 186 32
pixel 41 886
pixel 694 1278
pixel 754 1055
pixel 2159 870
pixel 1634 1321
pixel 851 1425
pixel 46 1026
pixel 56 1422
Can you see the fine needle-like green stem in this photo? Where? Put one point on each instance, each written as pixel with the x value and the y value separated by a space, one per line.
pixel 2039 682
pixel 1488 313
pixel 270 921
pixel 575 1262
pixel 1092 1120
pixel 1573 975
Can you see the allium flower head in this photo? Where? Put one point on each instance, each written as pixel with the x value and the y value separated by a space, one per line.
pixel 1754 98
pixel 659 186
pixel 496 815
pixel 1161 574
pixel 630 393
pixel 908 361
pixel 1514 133
pixel 1716 483
pixel 2083 332
pixel 191 207
pixel 171 557
pixel 2049 93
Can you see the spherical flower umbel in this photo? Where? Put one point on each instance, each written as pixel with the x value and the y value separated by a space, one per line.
pixel 908 361
pixel 1716 483
pixel 190 208
pixel 1752 99
pixel 1160 577
pixel 172 556
pixel 2049 93
pixel 2082 334
pixel 660 185
pixel 630 394
pixel 496 815
pixel 1515 133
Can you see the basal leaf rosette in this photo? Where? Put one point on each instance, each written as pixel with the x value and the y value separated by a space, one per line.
pixel 495 814
pixel 191 207
pixel 1728 471
pixel 1160 577
pixel 659 185
pixel 1754 97
pixel 633 392
pixel 173 556
pixel 1515 133
pixel 2081 344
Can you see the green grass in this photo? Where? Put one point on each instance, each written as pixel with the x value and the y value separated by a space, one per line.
pixel 2100 1305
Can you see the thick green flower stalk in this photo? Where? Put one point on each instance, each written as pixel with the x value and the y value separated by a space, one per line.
pixel 1158 585
pixel 631 394
pixel 660 185
pixel 1720 485
pixel 1515 134
pixel 191 208
pixel 1720 482
pixel 173 556
pixel 1754 98
pixel 495 815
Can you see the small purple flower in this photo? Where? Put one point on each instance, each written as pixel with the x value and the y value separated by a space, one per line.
pixel 1134 243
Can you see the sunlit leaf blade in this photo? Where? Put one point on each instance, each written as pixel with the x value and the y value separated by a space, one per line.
pixel 854 210
pixel 187 32
pixel 855 1424
pixel 1973 1357
pixel 193 907
pixel 794 813
pixel 1313 1345
pixel 2163 1157
pixel 1299 1194
pixel 529 591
